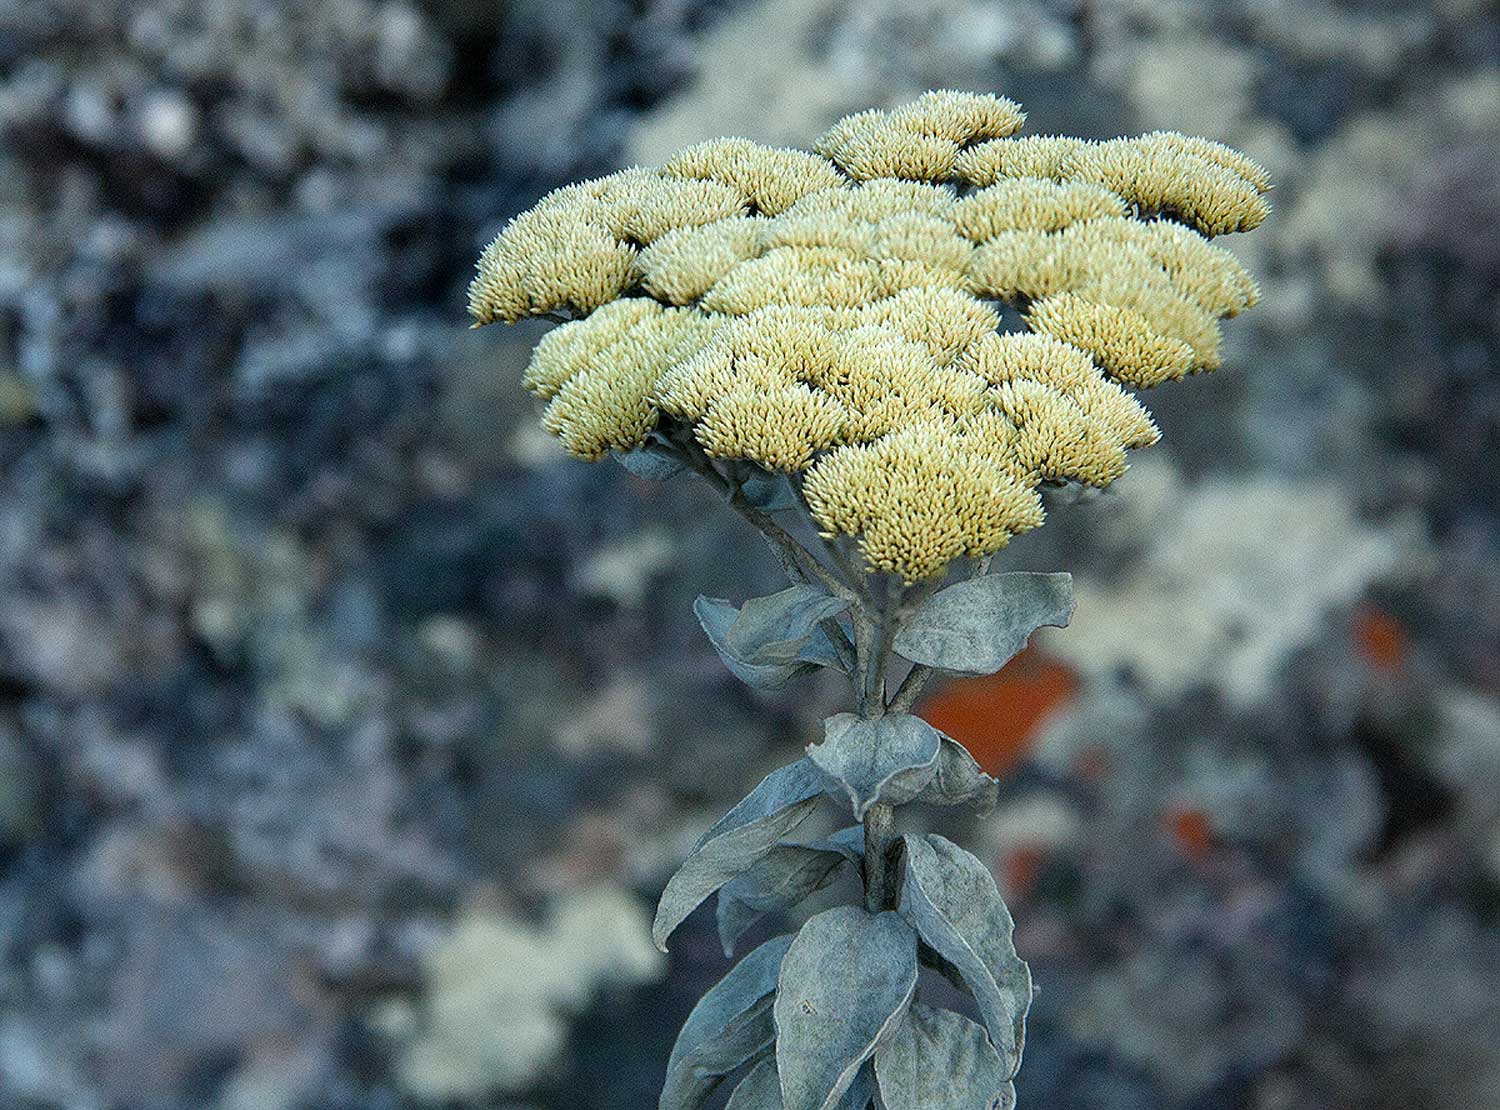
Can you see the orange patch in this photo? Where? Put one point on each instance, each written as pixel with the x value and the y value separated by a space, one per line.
pixel 1382 641
pixel 1022 866
pixel 997 716
pixel 1193 832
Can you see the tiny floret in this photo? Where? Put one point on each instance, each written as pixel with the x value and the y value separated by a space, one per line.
pixel 835 315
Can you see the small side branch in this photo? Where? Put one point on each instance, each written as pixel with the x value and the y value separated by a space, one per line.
pixel 800 565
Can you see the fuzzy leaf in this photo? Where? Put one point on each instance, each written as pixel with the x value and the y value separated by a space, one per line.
pixel 740 838
pixel 951 899
pixel 939 1058
pixel 759 1090
pixel 769 493
pixel 731 1024
pixel 787 874
pixel 845 984
pixel 775 628
pixel 959 780
pixel 978 626
pixel 770 640
pixel 849 843
pixel 862 1092
pixel 888 759
pixel 651 462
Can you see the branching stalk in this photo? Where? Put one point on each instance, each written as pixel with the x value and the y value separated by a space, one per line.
pixel 799 564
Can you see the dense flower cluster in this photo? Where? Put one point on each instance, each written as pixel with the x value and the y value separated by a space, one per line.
pixel 831 314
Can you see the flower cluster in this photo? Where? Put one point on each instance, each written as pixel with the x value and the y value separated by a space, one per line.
pixel 833 314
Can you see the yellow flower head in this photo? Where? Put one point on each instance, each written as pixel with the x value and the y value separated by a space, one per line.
pixel 834 315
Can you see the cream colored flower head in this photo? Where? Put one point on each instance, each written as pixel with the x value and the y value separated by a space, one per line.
pixel 835 315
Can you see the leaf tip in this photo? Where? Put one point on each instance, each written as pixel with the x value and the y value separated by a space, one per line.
pixel 660 933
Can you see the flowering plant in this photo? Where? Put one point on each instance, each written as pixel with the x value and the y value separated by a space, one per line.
pixel 821 337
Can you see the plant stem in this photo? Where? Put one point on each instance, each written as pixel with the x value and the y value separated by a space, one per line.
pixel 878 820
pixel 878 653
pixel 874 651
pixel 910 689
pixel 799 563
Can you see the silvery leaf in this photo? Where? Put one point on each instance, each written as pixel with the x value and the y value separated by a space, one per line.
pixel 849 843
pixel 770 640
pixel 740 838
pixel 959 780
pixel 889 759
pixel 769 492
pixel 941 1059
pixel 731 1024
pixel 845 984
pixel 776 627
pixel 951 899
pixel 978 626
pixel 651 462
pixel 787 874
pixel 863 1091
pixel 759 1090
pixel 717 617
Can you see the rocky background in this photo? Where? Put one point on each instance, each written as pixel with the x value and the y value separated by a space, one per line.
pixel 348 730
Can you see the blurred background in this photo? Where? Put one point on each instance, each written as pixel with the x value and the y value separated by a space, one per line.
pixel 348 729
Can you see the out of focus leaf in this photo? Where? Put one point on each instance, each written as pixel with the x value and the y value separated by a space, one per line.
pixel 951 899
pixel 652 462
pixel 741 837
pixel 845 984
pixel 978 626
pixel 787 874
pixel 731 1024
pixel 770 640
pixel 888 759
pixel 939 1058
pixel 769 492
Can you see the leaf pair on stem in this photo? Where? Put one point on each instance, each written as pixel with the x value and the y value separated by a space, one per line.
pixel 829 1019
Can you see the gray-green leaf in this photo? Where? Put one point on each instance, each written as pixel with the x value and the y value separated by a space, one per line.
pixel 731 1024
pixel 759 1090
pixel 845 984
pixel 862 1092
pixel 889 759
pixel 959 780
pixel 769 492
pixel 978 626
pixel 651 462
pixel 787 874
pixel 740 838
pixel 941 1059
pixel 770 640
pixel 951 899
